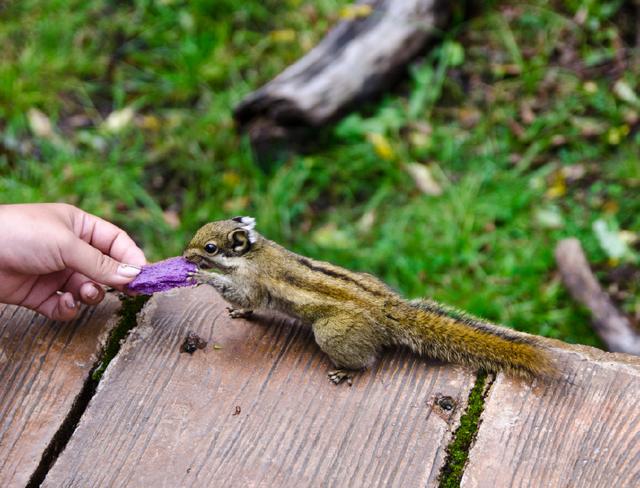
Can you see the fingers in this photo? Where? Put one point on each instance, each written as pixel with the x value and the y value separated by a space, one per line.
pixel 111 240
pixel 59 307
pixel 89 261
pixel 91 293
pixel 83 289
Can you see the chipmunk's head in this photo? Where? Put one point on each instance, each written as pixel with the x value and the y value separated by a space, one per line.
pixel 216 242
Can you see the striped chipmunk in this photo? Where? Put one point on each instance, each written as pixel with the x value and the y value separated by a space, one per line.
pixel 353 315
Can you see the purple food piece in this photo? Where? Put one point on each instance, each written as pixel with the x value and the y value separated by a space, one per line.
pixel 162 276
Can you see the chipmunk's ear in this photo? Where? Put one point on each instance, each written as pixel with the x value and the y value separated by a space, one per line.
pixel 248 224
pixel 239 241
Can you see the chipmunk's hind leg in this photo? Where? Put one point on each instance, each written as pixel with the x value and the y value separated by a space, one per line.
pixel 239 313
pixel 347 343
pixel 337 376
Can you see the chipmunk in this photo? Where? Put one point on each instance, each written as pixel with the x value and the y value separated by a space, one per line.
pixel 353 315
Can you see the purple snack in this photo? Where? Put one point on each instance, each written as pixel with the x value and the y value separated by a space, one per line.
pixel 162 276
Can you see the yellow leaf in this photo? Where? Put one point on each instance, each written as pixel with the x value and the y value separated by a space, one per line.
pixel 610 207
pixel 351 12
pixel 230 178
pixel 283 35
pixel 149 122
pixel 381 146
pixel 616 134
pixel 558 187
pixel 590 87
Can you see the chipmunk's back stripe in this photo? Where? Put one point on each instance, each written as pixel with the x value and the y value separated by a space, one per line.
pixel 472 322
pixel 341 276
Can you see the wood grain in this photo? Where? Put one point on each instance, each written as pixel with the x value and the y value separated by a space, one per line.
pixel 581 432
pixel 256 411
pixel 43 366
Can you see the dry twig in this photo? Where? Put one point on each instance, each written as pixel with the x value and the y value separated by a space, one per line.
pixel 613 327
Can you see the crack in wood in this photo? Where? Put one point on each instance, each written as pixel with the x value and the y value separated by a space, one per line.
pixel 465 435
pixel 128 320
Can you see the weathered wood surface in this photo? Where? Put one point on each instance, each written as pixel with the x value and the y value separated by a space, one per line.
pixel 584 432
pixel 43 366
pixel 257 411
pixel 355 61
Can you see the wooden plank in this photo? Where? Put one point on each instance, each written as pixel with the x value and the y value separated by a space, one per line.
pixel 43 366
pixel 582 432
pixel 257 411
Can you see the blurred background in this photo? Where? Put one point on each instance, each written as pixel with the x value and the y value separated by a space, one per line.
pixel 519 128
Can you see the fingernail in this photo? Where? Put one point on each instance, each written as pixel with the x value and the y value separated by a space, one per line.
pixel 70 302
pixel 128 270
pixel 92 292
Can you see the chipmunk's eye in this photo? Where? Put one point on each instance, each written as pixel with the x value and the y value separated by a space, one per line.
pixel 210 248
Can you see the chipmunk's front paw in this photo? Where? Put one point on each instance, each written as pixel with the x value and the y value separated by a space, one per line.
pixel 199 277
pixel 337 376
pixel 239 313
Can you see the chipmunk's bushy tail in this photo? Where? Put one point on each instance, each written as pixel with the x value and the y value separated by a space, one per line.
pixel 450 335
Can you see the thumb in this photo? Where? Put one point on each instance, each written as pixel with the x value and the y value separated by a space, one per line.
pixel 86 259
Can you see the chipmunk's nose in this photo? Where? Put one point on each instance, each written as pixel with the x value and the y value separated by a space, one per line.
pixel 192 256
pixel 197 259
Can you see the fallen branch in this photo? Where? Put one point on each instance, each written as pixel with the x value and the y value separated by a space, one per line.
pixel 613 327
pixel 355 61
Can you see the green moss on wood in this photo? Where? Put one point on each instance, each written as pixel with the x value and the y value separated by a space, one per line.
pixel 128 313
pixel 458 450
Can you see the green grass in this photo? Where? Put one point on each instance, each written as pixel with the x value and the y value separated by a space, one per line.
pixel 515 115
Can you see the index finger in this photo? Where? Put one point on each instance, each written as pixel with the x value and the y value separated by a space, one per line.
pixel 110 240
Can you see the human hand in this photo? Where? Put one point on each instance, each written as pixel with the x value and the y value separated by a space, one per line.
pixel 54 255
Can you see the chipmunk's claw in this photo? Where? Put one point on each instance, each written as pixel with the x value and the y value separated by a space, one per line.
pixel 337 376
pixel 239 313
pixel 198 276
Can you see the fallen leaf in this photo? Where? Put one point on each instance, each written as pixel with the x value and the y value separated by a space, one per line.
pixel 283 35
pixel 625 92
pixel 423 179
pixel 230 178
pixel 118 120
pixel 558 186
pixel 366 221
pixel 611 240
pixel 149 122
pixel 616 134
pixel 589 127
pixel 549 217
pixel 357 11
pixel 381 146
pixel 40 124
